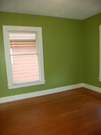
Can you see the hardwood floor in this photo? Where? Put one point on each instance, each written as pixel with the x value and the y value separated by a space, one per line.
pixel 74 112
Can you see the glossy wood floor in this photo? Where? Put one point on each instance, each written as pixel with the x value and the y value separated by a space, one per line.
pixel 75 112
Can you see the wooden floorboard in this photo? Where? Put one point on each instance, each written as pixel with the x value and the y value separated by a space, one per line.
pixel 74 112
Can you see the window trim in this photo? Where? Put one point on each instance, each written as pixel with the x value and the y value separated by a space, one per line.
pixel 100 53
pixel 37 30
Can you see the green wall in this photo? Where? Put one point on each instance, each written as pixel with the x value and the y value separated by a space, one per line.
pixel 70 48
pixel 91 50
pixel 62 49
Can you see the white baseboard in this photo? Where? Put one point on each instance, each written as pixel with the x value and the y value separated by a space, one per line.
pixel 39 93
pixel 49 91
pixel 91 87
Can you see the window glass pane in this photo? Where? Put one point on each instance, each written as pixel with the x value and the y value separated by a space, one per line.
pixel 21 43
pixel 25 68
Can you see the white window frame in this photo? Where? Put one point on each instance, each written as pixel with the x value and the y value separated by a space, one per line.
pixel 38 31
pixel 100 53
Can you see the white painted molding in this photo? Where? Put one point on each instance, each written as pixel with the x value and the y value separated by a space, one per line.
pixel 91 87
pixel 49 91
pixel 39 93
pixel 100 53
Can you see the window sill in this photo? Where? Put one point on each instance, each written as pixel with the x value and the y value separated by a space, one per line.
pixel 26 84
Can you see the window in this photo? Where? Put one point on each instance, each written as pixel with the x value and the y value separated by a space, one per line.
pixel 24 56
pixel 100 55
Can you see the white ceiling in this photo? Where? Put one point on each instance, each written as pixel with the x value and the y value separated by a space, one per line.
pixel 74 9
